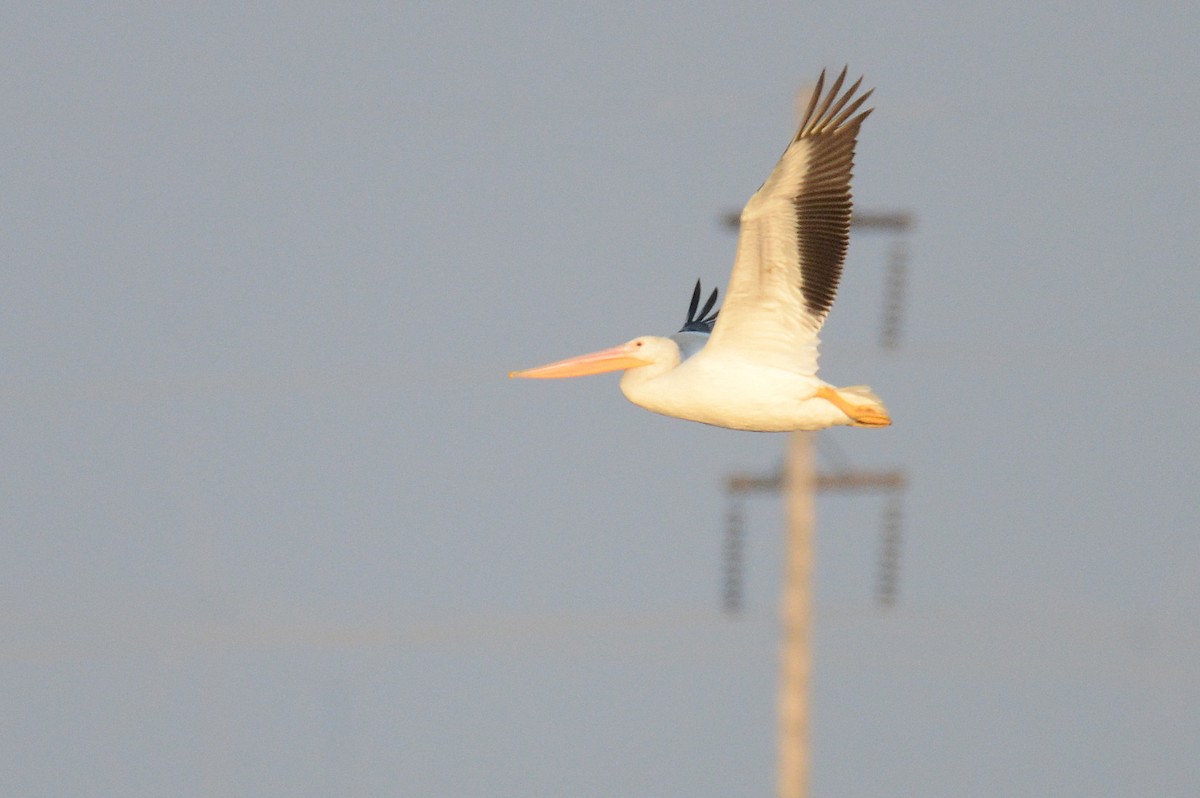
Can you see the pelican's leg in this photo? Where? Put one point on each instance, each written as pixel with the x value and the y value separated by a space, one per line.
pixel 862 415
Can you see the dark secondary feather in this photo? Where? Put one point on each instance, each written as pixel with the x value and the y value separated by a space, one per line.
pixel 701 322
pixel 823 204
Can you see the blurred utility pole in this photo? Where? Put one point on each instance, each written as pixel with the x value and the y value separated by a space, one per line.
pixel 799 482
pixel 795 651
pixel 900 221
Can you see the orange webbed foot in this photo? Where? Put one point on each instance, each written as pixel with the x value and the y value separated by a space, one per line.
pixel 861 415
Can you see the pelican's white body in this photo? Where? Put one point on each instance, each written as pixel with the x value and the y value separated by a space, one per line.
pixel 727 390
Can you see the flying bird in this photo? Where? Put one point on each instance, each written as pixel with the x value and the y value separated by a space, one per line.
pixel 753 364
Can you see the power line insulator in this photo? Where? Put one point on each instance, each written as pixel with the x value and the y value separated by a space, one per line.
pixel 732 556
pixel 893 298
pixel 889 554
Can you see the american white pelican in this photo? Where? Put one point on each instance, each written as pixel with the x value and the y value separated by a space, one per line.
pixel 754 367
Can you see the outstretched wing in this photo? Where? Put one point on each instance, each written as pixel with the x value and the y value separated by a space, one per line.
pixel 794 233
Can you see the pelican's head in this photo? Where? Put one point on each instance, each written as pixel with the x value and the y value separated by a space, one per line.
pixel 648 350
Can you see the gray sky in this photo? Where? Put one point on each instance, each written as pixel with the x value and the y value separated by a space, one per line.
pixel 276 524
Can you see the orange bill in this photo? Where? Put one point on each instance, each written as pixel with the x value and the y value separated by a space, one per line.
pixel 614 359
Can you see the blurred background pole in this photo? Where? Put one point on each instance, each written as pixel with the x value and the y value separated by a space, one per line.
pixel 796 614
pixel 800 482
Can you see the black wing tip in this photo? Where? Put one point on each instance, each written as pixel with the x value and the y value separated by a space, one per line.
pixel 701 322
pixel 827 112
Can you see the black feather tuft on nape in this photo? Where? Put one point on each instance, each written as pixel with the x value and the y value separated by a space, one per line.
pixel 702 321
